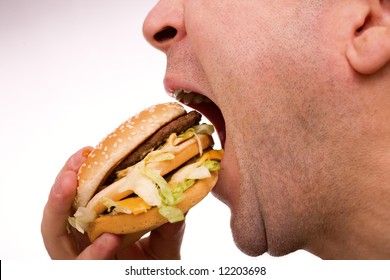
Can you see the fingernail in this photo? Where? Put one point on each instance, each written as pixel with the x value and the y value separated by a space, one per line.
pixel 86 152
pixel 80 157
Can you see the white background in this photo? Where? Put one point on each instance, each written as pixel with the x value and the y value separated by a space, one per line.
pixel 70 72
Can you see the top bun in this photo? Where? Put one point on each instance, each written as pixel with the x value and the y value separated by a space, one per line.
pixel 119 144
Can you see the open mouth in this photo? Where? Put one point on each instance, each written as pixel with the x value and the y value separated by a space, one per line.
pixel 205 106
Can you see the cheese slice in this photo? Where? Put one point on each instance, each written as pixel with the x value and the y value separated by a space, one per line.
pixel 135 205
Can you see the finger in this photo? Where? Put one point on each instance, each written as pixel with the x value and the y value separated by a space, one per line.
pixel 75 161
pixel 103 248
pixel 165 242
pixel 55 215
pixel 54 222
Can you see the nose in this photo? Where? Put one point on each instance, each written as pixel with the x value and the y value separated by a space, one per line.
pixel 164 25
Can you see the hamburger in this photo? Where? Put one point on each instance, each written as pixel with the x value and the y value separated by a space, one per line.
pixel 149 171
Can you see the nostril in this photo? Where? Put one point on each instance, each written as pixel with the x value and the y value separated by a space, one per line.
pixel 165 34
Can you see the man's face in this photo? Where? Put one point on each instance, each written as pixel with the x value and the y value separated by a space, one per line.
pixel 265 66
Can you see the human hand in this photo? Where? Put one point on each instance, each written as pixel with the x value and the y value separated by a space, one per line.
pixel 162 243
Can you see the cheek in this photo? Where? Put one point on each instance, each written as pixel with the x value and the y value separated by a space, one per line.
pixel 235 57
pixel 216 34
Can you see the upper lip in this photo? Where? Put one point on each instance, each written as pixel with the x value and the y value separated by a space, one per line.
pixel 171 85
pixel 192 95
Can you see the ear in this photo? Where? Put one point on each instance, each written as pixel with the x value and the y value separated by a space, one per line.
pixel 369 48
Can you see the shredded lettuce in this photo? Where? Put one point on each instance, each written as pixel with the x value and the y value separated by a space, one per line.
pixel 212 165
pixel 182 187
pixel 82 218
pixel 204 129
pixel 186 134
pixel 143 186
pixel 193 131
pixel 200 172
pixel 169 198
pixel 164 189
pixel 171 213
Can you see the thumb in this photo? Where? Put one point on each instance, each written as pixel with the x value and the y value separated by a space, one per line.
pixel 104 247
pixel 164 243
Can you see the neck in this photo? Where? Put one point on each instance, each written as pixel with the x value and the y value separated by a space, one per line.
pixel 362 230
pixel 368 238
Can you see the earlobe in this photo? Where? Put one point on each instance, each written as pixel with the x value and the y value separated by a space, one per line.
pixel 370 51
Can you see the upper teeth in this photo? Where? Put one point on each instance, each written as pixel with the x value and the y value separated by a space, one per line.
pixel 187 97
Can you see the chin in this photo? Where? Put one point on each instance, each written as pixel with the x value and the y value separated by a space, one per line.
pixel 248 236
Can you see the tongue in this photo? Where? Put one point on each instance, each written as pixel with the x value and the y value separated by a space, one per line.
pixel 214 115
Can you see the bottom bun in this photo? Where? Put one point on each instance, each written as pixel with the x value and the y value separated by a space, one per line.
pixel 135 226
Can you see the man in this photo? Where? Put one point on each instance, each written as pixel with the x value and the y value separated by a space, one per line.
pixel 304 90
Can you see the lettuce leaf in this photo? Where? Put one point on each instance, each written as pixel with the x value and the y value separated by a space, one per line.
pixel 82 218
pixel 171 213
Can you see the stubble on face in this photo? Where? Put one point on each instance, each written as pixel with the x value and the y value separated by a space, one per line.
pixel 266 81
